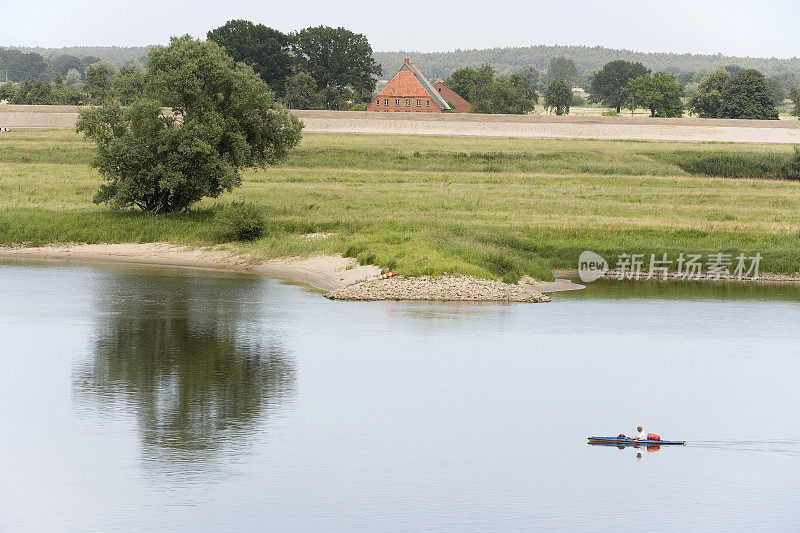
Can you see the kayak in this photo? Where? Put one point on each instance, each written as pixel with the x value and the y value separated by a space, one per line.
pixel 616 441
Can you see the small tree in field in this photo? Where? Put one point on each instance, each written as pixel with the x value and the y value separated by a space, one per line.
pixel 558 97
pixel 660 93
pixel 223 118
pixel 608 83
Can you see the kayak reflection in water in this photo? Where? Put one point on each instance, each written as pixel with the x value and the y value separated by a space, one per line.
pixel 641 448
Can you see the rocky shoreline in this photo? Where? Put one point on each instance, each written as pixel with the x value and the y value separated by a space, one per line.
pixel 446 288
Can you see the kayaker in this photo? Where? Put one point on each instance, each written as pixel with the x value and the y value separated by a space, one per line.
pixel 640 434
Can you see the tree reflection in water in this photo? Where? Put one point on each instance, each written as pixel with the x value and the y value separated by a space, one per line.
pixel 195 356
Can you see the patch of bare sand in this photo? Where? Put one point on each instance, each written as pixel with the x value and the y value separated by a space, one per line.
pixel 327 272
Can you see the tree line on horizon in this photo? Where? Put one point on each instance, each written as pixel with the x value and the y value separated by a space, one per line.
pixel 505 60
pixel 334 68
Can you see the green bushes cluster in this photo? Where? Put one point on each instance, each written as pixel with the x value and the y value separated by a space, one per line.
pixel 759 165
pixel 489 93
pixel 239 222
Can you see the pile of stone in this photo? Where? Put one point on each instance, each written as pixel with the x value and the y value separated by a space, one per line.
pixel 440 288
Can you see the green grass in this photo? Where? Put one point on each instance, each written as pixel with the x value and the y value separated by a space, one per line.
pixel 498 208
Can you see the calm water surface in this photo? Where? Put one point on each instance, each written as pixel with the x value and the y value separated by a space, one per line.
pixel 165 400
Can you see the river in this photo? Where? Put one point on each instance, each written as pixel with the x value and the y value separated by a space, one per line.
pixel 136 398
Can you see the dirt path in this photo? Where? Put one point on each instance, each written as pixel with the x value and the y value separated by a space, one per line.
pixel 474 125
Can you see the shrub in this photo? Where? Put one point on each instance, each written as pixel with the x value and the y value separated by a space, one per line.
pixel 791 170
pixel 240 222
pixel 732 165
pixel 578 100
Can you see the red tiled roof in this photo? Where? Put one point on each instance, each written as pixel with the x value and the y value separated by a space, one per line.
pixel 459 104
pixel 403 84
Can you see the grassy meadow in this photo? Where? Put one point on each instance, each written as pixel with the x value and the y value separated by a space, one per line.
pixel 497 208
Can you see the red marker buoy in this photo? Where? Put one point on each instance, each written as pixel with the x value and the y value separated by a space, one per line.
pixel 387 275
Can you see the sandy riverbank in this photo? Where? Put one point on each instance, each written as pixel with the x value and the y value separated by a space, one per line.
pixel 328 272
pixel 350 280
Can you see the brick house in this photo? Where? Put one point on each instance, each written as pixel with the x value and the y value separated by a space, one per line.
pixel 453 98
pixel 409 91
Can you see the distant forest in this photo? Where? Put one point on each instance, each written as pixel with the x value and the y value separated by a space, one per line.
pixel 439 65
pixel 16 64
pixel 118 55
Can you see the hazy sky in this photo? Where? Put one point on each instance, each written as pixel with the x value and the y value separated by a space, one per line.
pixel 732 27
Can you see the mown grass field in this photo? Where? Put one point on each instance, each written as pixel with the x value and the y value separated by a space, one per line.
pixel 498 208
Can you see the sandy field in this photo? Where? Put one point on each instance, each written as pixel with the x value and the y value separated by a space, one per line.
pixel 474 125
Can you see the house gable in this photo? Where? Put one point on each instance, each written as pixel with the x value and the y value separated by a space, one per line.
pixel 408 91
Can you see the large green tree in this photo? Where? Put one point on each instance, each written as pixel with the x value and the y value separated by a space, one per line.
pixel 705 103
pixel 340 62
pixel 608 83
pixel 747 96
pixel 263 48
pixel 558 97
pixel 222 117
pixel 659 92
